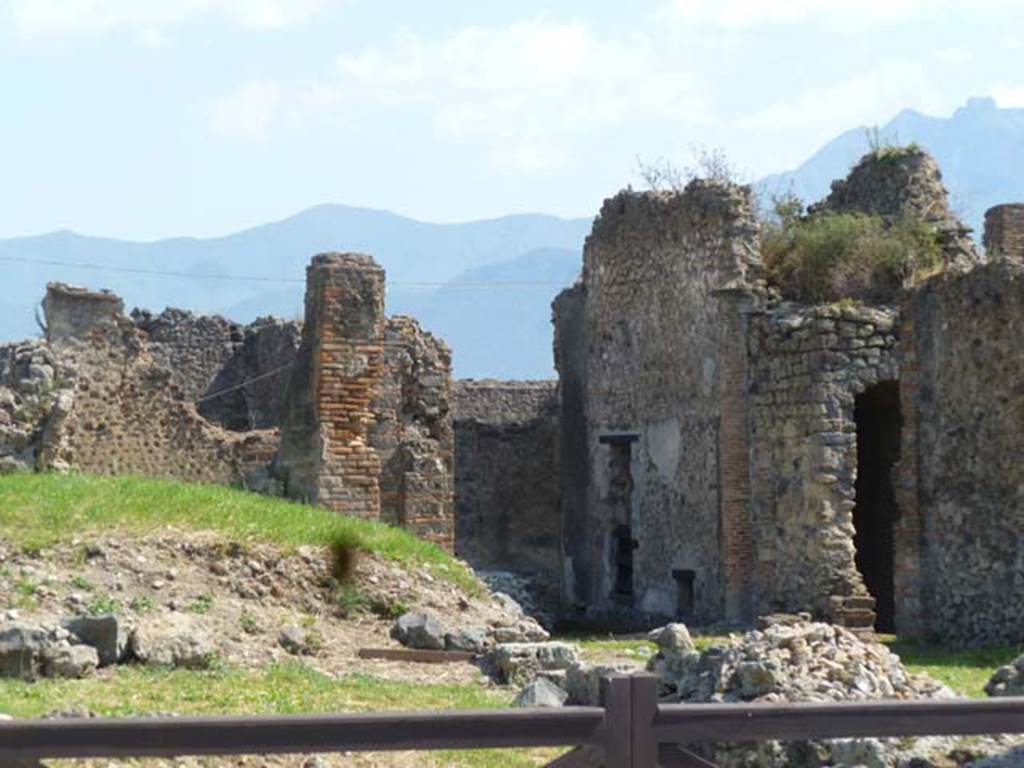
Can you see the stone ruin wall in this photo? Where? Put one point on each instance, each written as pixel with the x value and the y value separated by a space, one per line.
pixel 366 425
pixel 413 432
pixel 122 414
pixel 368 422
pixel 651 393
pixel 508 477
pixel 1004 231
pixel 961 482
pixel 236 374
pixel 808 366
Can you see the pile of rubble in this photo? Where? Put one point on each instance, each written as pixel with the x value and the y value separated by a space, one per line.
pixel 805 661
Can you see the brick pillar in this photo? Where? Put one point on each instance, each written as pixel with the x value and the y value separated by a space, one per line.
pixel 325 453
pixel 736 532
pixel 1004 231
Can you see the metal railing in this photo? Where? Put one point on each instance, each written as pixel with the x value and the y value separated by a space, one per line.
pixel 631 730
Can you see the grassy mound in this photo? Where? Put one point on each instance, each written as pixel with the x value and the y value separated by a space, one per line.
pixel 40 510
pixel 829 256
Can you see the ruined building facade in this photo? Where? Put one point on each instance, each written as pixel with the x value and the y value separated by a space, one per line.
pixel 350 410
pixel 726 454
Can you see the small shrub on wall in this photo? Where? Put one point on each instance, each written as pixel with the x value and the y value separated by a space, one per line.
pixel 827 256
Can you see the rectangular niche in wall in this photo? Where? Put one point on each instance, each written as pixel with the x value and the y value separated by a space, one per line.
pixel 619 499
pixel 684 592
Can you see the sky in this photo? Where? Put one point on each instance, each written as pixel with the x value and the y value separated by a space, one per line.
pixel 145 119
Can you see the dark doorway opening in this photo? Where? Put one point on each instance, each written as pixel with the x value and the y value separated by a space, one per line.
pixel 620 504
pixel 877 414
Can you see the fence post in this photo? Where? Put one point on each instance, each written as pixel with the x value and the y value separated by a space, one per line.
pixel 616 696
pixel 645 708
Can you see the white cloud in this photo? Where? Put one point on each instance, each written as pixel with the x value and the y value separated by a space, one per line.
pixel 248 112
pixel 73 19
pixel 740 13
pixel 253 110
pixel 1008 95
pixel 529 92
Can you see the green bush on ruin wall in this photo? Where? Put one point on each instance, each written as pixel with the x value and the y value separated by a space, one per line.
pixel 828 256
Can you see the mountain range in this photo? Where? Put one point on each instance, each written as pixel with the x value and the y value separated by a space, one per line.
pixel 484 286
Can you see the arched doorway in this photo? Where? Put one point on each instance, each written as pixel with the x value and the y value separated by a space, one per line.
pixel 877 415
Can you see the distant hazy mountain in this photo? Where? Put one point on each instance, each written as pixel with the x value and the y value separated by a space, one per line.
pixel 520 248
pixel 980 150
pixel 500 331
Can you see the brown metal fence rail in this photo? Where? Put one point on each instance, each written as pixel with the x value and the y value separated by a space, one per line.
pixel 631 730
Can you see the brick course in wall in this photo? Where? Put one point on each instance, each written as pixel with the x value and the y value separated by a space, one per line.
pixel 367 426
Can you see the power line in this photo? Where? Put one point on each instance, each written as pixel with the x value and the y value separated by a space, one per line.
pixel 262 279
pixel 265 375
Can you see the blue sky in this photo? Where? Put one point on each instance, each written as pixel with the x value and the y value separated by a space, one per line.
pixel 152 118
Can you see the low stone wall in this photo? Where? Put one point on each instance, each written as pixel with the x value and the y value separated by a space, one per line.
pixel 808 365
pixel 412 432
pixel 507 476
pixel 961 478
pixel 237 374
pixel 1004 231
pixel 123 414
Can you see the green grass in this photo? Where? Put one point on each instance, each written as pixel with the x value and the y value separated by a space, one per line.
pixel 40 510
pixel 965 671
pixel 285 688
pixel 633 648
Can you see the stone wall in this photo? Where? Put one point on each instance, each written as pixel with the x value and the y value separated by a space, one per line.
pixel 122 414
pixel 961 478
pixel 507 477
pixel 32 379
pixel 653 268
pixel 1004 231
pixel 237 374
pixel 808 366
pixel 412 433
pixel 366 427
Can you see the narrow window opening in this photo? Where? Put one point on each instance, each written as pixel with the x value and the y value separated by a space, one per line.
pixel 620 506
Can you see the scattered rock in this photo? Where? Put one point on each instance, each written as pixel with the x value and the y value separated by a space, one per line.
pixel 673 637
pixel 525 631
pixel 471 639
pixel 294 640
pixel 21 651
pixel 1007 680
pixel 540 693
pixel 104 633
pixel 583 681
pixel 70 661
pixel 173 640
pixel 419 630
pixel 520 662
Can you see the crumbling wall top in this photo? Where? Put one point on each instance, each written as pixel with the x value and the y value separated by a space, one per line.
pixel 898 181
pixel 718 215
pixel 74 312
pixel 489 401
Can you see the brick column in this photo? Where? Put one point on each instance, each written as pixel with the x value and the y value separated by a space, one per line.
pixel 1004 231
pixel 736 533
pixel 325 455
